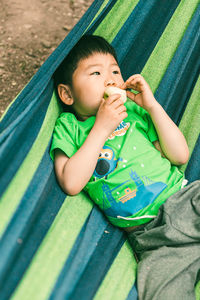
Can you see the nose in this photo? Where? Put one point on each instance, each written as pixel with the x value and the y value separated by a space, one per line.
pixel 109 82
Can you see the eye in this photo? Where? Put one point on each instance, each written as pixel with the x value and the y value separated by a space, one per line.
pixel 116 72
pixel 107 155
pixel 95 73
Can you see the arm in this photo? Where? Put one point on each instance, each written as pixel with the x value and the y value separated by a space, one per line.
pixel 171 140
pixel 74 173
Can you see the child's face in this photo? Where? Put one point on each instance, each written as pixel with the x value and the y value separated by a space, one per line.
pixel 89 80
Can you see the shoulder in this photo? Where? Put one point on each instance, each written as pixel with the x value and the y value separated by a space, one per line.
pixel 66 118
pixel 66 122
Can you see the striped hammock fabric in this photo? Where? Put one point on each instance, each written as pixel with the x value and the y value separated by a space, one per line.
pixel 58 247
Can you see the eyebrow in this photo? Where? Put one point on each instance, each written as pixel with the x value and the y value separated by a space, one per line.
pixel 100 65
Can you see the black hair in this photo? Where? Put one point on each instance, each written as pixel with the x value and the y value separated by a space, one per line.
pixel 86 46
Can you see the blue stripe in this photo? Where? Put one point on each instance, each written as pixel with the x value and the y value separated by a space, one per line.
pixel 178 82
pixel 29 225
pixel 192 172
pixel 18 138
pixel 92 255
pixel 19 126
pixel 88 263
pixel 141 32
pixel 133 295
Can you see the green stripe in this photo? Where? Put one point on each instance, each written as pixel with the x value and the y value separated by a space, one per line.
pixel 120 277
pixel 115 19
pixel 41 276
pixel 15 191
pixel 165 49
pixel 191 119
pixel 197 291
pixel 98 13
pixel 7 108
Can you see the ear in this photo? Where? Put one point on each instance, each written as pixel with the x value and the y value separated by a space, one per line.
pixel 65 94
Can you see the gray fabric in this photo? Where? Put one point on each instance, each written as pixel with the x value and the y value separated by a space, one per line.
pixel 168 248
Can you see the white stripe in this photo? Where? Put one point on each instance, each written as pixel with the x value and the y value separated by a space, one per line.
pixel 137 218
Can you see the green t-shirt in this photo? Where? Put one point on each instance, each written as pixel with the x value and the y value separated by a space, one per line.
pixel 131 179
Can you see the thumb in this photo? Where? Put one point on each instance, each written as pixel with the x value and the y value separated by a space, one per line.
pixel 130 95
pixel 102 102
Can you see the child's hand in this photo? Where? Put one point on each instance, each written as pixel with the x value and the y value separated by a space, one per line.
pixel 145 98
pixel 110 114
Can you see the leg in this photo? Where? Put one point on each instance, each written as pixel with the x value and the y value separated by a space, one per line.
pixel 169 248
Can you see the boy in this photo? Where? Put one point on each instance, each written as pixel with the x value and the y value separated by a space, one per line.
pixel 124 156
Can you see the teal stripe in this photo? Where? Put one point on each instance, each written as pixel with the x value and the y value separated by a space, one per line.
pixel 120 277
pixel 191 120
pixel 165 49
pixel 98 13
pixel 115 19
pixel 15 191
pixel 41 276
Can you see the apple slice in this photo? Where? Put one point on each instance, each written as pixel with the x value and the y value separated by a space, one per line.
pixel 110 90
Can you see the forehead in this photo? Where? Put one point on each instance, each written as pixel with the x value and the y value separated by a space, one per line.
pixel 96 59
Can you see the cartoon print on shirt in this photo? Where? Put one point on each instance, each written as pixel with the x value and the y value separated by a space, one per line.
pixel 106 163
pixel 120 130
pixel 129 194
pixel 145 193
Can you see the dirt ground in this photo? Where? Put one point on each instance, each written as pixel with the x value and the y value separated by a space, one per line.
pixel 30 30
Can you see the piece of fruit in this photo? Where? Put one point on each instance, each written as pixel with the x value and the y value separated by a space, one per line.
pixel 110 90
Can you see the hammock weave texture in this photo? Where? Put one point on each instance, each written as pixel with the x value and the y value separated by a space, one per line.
pixel 58 247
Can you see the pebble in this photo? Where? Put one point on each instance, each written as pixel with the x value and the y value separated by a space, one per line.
pixel 46 44
pixel 27 26
pixel 67 27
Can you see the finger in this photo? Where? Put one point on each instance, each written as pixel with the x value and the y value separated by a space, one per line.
pixel 112 98
pixel 130 95
pixel 123 115
pixel 118 102
pixel 136 84
pixel 102 102
pixel 134 78
pixel 121 109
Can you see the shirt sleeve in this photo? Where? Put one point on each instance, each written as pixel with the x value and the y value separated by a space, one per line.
pixel 64 136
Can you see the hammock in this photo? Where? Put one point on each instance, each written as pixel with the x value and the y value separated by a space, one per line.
pixel 58 247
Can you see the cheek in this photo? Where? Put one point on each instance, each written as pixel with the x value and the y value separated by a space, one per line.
pixel 91 91
pixel 88 91
pixel 121 80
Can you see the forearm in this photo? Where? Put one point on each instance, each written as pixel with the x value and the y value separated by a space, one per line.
pixel 171 139
pixel 75 172
pixel 80 167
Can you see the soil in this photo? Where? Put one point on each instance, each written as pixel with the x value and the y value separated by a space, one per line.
pixel 30 30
